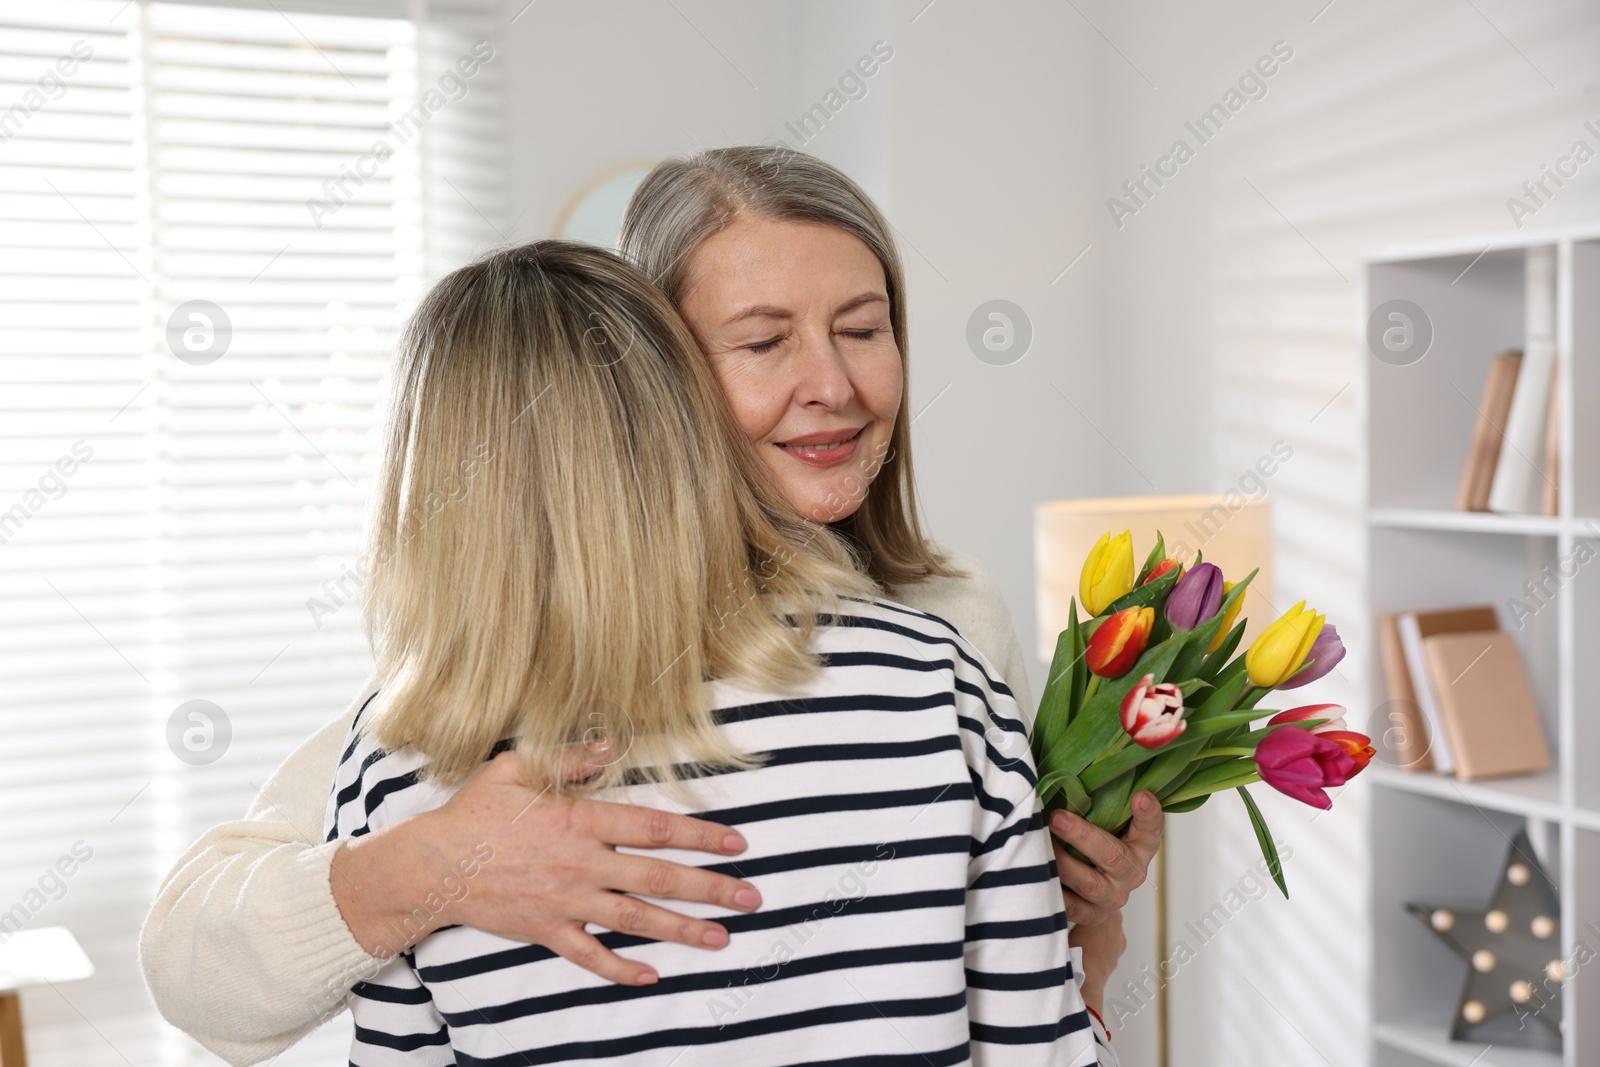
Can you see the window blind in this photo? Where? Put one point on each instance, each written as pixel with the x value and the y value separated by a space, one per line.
pixel 214 218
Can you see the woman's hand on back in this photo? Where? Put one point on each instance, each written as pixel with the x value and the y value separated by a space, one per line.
pixel 553 867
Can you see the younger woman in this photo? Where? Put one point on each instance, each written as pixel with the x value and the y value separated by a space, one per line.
pixel 618 568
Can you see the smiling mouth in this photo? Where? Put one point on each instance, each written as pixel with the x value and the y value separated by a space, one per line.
pixel 822 442
pixel 823 449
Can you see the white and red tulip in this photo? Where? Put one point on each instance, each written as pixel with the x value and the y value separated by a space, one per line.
pixel 1153 714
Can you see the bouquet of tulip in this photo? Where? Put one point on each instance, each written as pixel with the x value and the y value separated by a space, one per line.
pixel 1146 693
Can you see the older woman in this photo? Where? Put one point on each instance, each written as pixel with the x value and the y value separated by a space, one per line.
pixel 788 277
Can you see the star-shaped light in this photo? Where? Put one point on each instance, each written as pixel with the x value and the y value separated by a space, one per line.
pixel 1512 947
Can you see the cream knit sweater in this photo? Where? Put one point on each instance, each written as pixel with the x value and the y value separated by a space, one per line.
pixel 244 947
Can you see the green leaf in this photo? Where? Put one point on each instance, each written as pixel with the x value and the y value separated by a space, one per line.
pixel 1169 762
pixel 1230 686
pixel 1073 796
pixel 1186 805
pixel 1078 799
pixel 1080 666
pixel 1179 780
pixel 1111 809
pixel 1226 720
pixel 1056 704
pixel 1269 848
pixel 1217 660
pixel 1157 554
pixel 1234 772
pixel 1149 595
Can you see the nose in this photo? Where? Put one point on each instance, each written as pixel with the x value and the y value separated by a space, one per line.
pixel 823 372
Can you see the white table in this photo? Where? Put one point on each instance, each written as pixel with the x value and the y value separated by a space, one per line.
pixel 47 956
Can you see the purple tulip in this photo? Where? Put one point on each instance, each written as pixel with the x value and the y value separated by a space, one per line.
pixel 1326 651
pixel 1195 598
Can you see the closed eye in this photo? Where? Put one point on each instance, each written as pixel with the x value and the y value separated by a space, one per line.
pixel 764 346
pixel 861 335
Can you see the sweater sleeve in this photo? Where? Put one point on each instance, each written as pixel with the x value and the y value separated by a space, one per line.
pixel 244 948
pixel 1018 968
pixel 974 605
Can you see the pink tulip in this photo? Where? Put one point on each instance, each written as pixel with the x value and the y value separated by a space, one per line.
pixel 1357 745
pixel 1301 764
pixel 1153 714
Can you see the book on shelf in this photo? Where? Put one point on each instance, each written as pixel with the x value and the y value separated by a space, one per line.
pixel 1485 704
pixel 1516 437
pixel 1408 734
pixel 1488 432
pixel 1551 497
pixel 1459 694
pixel 1413 627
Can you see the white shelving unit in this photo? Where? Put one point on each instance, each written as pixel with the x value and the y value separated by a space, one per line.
pixel 1434 837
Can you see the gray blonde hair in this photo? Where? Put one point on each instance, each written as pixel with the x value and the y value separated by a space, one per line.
pixel 681 202
pixel 570 534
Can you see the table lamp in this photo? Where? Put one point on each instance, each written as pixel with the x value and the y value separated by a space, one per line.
pixel 1232 531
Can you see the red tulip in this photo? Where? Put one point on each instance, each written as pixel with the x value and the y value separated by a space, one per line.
pixel 1301 764
pixel 1358 746
pixel 1115 646
pixel 1160 569
pixel 1153 714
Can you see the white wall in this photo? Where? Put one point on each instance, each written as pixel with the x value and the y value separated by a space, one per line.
pixel 1222 317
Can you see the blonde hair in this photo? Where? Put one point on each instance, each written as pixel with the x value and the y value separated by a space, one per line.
pixel 571 534
pixel 681 202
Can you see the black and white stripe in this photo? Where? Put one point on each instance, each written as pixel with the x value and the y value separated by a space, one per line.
pixel 910 912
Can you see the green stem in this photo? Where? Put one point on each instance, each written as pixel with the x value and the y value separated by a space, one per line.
pixel 1090 689
pixel 1230 751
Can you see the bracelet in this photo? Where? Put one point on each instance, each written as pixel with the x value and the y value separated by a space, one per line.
pixel 1099 1020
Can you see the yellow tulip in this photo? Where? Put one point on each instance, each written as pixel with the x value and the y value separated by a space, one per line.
pixel 1282 646
pixel 1107 573
pixel 1229 617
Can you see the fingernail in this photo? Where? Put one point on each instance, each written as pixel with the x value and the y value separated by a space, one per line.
pixel 1145 803
pixel 1061 821
pixel 647 978
pixel 747 898
pixel 716 937
pixel 733 843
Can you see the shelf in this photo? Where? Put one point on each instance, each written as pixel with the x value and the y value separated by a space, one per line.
pixel 1536 795
pixel 1429 832
pixel 1466 521
pixel 1430 1043
pixel 1531 795
pixel 1514 240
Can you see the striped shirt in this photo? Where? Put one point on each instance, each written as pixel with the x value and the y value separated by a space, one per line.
pixel 911 913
